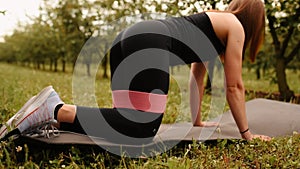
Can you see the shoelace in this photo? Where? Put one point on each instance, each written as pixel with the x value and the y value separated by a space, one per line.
pixel 46 129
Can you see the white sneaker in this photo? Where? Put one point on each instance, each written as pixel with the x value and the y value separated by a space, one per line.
pixel 37 111
pixel 8 125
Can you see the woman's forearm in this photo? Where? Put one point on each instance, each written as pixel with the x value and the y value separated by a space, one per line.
pixel 236 100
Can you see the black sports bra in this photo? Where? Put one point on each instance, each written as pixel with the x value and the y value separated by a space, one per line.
pixel 202 21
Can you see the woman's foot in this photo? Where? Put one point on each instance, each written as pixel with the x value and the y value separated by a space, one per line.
pixel 37 111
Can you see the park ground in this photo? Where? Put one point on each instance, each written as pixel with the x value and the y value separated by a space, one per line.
pixel 19 83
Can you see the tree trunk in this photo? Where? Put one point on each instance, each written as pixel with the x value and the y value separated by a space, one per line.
pixel 104 66
pixel 257 73
pixel 55 65
pixel 44 65
pixel 51 65
pixel 88 69
pixel 63 65
pixel 105 62
pixel 285 93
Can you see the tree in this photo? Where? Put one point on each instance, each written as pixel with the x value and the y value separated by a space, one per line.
pixel 73 23
pixel 65 25
pixel 283 20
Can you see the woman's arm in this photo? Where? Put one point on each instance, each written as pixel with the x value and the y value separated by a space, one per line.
pixel 235 92
pixel 198 72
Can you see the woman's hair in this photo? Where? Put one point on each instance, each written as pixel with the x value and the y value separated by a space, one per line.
pixel 251 14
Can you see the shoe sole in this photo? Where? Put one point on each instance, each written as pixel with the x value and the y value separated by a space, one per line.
pixel 30 108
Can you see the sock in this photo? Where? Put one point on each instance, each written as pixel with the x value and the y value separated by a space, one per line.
pixel 56 110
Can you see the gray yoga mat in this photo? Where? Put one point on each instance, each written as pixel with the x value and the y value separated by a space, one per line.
pixel 268 117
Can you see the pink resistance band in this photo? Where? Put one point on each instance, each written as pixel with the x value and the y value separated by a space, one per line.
pixel 143 101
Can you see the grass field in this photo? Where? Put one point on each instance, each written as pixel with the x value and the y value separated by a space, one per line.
pixel 18 84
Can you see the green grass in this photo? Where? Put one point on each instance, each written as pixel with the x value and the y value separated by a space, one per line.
pixel 18 84
pixel 267 82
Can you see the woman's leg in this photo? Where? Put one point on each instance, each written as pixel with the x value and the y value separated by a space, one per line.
pixel 85 119
pixel 140 82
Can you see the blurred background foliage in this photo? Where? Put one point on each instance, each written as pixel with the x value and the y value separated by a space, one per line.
pixel 54 40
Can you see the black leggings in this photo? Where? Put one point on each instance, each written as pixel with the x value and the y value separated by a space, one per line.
pixel 140 58
pixel 139 63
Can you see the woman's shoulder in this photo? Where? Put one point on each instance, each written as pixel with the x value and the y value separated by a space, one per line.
pixel 224 23
pixel 223 17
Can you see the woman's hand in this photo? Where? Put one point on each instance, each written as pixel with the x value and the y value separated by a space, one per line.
pixel 262 137
pixel 249 136
pixel 206 124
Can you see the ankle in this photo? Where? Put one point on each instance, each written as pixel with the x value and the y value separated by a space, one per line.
pixel 66 113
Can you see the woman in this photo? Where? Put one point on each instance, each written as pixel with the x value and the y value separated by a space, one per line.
pixel 140 58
